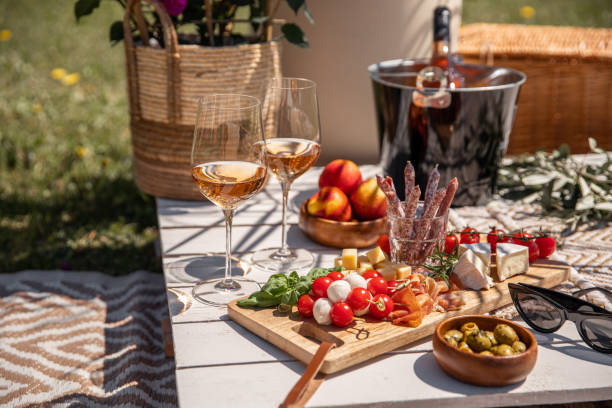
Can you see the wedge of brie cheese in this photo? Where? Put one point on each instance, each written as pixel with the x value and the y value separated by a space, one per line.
pixel 472 272
pixel 481 249
pixel 511 260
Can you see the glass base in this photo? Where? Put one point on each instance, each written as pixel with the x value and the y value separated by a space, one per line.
pixel 273 260
pixel 219 292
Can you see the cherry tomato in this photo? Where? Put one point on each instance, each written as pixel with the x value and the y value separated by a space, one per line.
pixel 547 246
pixel 305 304
pixel 383 243
pixel 391 285
pixel 359 298
pixel 341 314
pixel 469 236
pixel 370 273
pixel 534 250
pixel 377 286
pixel 381 306
pixel 335 275
pixel 320 285
pixel 522 234
pixel 451 243
pixel 505 240
pixel 493 237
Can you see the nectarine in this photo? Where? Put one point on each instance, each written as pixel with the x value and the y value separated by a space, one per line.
pixel 343 174
pixel 330 203
pixel 369 202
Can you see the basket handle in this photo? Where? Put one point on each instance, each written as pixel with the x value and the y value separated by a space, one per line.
pixel 172 56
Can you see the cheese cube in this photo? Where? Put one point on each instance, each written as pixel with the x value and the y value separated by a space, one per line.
pixel 393 271
pixel 387 272
pixel 364 266
pixel 337 262
pixel 472 272
pixel 402 272
pixel 481 249
pixel 349 258
pixel 376 255
pixel 511 260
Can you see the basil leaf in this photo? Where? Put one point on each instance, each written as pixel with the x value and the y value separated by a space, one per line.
pixel 292 279
pixel 290 298
pixel 276 285
pixel 259 299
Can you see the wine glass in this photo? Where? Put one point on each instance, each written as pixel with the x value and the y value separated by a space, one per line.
pixel 291 119
pixel 228 164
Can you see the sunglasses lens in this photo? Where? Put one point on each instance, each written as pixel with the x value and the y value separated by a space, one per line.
pixel 599 331
pixel 539 312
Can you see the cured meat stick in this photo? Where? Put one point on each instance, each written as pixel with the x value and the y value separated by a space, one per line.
pixel 428 213
pixel 393 203
pixel 411 206
pixel 432 185
pixel 451 189
pixel 408 179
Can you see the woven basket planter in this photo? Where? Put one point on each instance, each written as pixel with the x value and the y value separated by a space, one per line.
pixel 568 93
pixel 163 87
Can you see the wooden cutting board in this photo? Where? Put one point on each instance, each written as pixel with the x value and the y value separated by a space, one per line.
pixel 363 340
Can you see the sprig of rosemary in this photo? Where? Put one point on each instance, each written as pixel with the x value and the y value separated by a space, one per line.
pixel 441 264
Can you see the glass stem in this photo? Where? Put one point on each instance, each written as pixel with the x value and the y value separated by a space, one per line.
pixel 229 214
pixel 284 250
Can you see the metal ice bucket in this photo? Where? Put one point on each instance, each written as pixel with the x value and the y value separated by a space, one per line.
pixel 466 136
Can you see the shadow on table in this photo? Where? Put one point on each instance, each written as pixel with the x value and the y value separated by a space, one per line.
pixel 208 266
pixel 576 349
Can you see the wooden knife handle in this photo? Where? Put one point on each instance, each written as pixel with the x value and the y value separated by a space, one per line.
pixel 311 371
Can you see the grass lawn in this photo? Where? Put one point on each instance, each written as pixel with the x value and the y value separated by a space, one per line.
pixel 67 198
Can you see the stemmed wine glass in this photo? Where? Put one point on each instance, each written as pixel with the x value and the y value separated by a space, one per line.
pixel 291 120
pixel 228 164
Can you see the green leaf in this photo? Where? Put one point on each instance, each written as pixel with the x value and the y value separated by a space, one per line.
pixel 295 5
pixel 290 298
pixel 303 285
pixel 116 32
pixel 276 285
pixel 259 299
pixel 292 279
pixel 85 7
pixel 294 35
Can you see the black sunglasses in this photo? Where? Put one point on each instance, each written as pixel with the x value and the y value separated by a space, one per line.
pixel 546 310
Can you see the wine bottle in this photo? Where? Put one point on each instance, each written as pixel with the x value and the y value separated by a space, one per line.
pixel 441 53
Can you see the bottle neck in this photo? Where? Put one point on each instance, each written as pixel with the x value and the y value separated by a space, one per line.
pixel 440 50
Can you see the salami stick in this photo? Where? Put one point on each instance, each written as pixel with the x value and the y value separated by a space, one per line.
pixel 451 189
pixel 428 214
pixel 432 185
pixel 393 203
pixel 408 180
pixel 411 206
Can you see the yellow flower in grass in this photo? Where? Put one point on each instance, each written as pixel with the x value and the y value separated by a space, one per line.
pixel 36 108
pixel 71 79
pixel 80 151
pixel 58 73
pixel 5 35
pixel 527 12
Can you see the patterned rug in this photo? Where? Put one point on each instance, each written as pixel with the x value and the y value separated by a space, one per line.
pixel 83 339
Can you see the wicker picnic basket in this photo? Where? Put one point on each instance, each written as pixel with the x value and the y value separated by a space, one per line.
pixel 568 93
pixel 163 87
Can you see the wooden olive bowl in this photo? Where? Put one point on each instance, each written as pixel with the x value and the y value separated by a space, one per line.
pixel 339 234
pixel 484 370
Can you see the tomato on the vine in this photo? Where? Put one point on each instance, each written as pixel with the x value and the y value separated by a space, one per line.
pixel 377 286
pixel 521 238
pixel 335 275
pixel 451 242
pixel 305 304
pixel 359 298
pixel 383 243
pixel 547 246
pixel 493 237
pixel 381 306
pixel 320 285
pixel 469 236
pixel 370 273
pixel 341 314
pixel 534 250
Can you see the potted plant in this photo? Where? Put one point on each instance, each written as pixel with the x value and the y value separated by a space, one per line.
pixel 178 50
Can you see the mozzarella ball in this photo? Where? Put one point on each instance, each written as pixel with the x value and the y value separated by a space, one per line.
pixel 338 291
pixel 321 309
pixel 356 281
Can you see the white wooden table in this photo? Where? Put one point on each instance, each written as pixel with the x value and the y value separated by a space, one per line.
pixel 221 364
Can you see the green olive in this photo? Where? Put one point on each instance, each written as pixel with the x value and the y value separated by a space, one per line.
pixel 478 341
pixel 486 353
pixel 505 334
pixel 493 349
pixel 504 350
pixel 519 346
pixel 451 341
pixel 468 327
pixel 491 337
pixel 464 347
pixel 455 334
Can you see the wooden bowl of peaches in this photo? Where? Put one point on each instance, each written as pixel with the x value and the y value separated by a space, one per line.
pixel 347 211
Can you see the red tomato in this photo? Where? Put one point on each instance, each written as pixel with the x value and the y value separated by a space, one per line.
pixel 383 243
pixel 359 298
pixel 534 250
pixel 377 286
pixel 505 239
pixel 469 236
pixel 493 237
pixel 335 275
pixel 547 246
pixel 370 273
pixel 341 314
pixel 381 306
pixel 451 243
pixel 305 304
pixel 391 285
pixel 320 285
